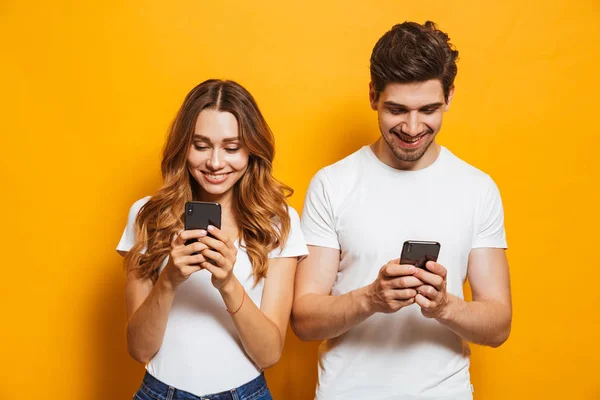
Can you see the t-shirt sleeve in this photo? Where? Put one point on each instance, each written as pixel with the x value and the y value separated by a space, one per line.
pixel 295 246
pixel 490 220
pixel 318 223
pixel 128 238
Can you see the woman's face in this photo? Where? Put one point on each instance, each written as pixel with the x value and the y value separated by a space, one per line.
pixel 216 158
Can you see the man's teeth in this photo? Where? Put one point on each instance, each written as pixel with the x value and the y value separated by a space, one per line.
pixel 410 140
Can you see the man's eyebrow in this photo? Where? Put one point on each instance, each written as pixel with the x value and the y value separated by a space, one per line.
pixel 398 105
pixel 207 139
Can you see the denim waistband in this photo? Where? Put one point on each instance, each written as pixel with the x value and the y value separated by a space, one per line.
pixel 161 391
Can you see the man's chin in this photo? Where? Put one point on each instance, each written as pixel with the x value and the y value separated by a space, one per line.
pixel 410 155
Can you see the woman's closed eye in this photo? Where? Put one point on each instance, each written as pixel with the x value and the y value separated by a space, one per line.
pixel 200 147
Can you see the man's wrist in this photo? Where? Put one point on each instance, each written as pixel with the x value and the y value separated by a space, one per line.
pixel 451 309
pixel 361 297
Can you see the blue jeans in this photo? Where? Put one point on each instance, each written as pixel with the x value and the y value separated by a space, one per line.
pixel 153 389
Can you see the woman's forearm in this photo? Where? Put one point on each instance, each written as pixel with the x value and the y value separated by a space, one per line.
pixel 146 326
pixel 261 338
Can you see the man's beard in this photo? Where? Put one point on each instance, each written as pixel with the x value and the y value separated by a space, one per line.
pixel 408 155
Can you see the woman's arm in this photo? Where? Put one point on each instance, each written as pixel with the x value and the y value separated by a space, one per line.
pixel 148 308
pixel 261 331
pixel 148 305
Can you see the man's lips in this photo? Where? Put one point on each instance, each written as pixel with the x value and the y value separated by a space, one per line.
pixel 408 141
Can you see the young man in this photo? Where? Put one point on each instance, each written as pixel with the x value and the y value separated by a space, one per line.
pixel 394 331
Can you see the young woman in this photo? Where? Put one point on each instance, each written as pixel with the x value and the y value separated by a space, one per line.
pixel 208 317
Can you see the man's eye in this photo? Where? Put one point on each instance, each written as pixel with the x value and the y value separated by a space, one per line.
pixel 429 111
pixel 397 112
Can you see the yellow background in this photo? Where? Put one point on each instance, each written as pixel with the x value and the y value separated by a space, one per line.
pixel 89 89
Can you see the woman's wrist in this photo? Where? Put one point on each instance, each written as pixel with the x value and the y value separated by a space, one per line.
pixel 165 284
pixel 233 294
pixel 231 287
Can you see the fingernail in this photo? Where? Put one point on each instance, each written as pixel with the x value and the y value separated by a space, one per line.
pixel 202 232
pixel 411 269
pixel 211 228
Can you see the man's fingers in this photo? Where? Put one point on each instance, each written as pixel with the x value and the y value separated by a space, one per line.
pixel 437 269
pixel 404 303
pixel 422 301
pixel 430 278
pixel 427 291
pixel 392 270
pixel 404 294
pixel 404 282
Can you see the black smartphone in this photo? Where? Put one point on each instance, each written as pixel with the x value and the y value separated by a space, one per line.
pixel 200 214
pixel 417 252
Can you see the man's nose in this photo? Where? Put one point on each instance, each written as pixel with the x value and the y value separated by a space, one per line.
pixel 411 125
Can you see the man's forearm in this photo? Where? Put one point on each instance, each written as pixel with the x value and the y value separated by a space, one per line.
pixel 482 322
pixel 322 317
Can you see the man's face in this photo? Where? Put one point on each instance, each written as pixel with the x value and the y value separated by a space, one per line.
pixel 410 116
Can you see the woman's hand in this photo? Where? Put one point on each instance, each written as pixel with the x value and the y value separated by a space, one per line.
pixel 182 260
pixel 219 257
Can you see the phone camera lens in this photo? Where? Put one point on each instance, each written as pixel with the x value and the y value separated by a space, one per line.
pixel 408 247
pixel 190 210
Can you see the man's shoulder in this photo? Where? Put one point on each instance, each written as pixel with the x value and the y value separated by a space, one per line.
pixel 338 180
pixel 465 172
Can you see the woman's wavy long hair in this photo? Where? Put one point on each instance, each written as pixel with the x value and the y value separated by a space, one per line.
pixel 259 201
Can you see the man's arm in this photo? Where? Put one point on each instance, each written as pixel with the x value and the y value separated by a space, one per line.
pixel 485 320
pixel 317 315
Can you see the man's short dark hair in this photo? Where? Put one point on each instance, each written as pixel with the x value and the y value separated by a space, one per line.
pixel 411 52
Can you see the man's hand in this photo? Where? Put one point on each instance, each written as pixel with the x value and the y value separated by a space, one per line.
pixel 432 296
pixel 394 288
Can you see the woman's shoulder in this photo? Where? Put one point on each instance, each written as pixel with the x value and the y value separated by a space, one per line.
pixel 137 205
pixel 295 245
pixel 128 238
pixel 292 212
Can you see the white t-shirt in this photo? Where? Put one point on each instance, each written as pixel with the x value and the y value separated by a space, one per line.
pixel 201 352
pixel 367 210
